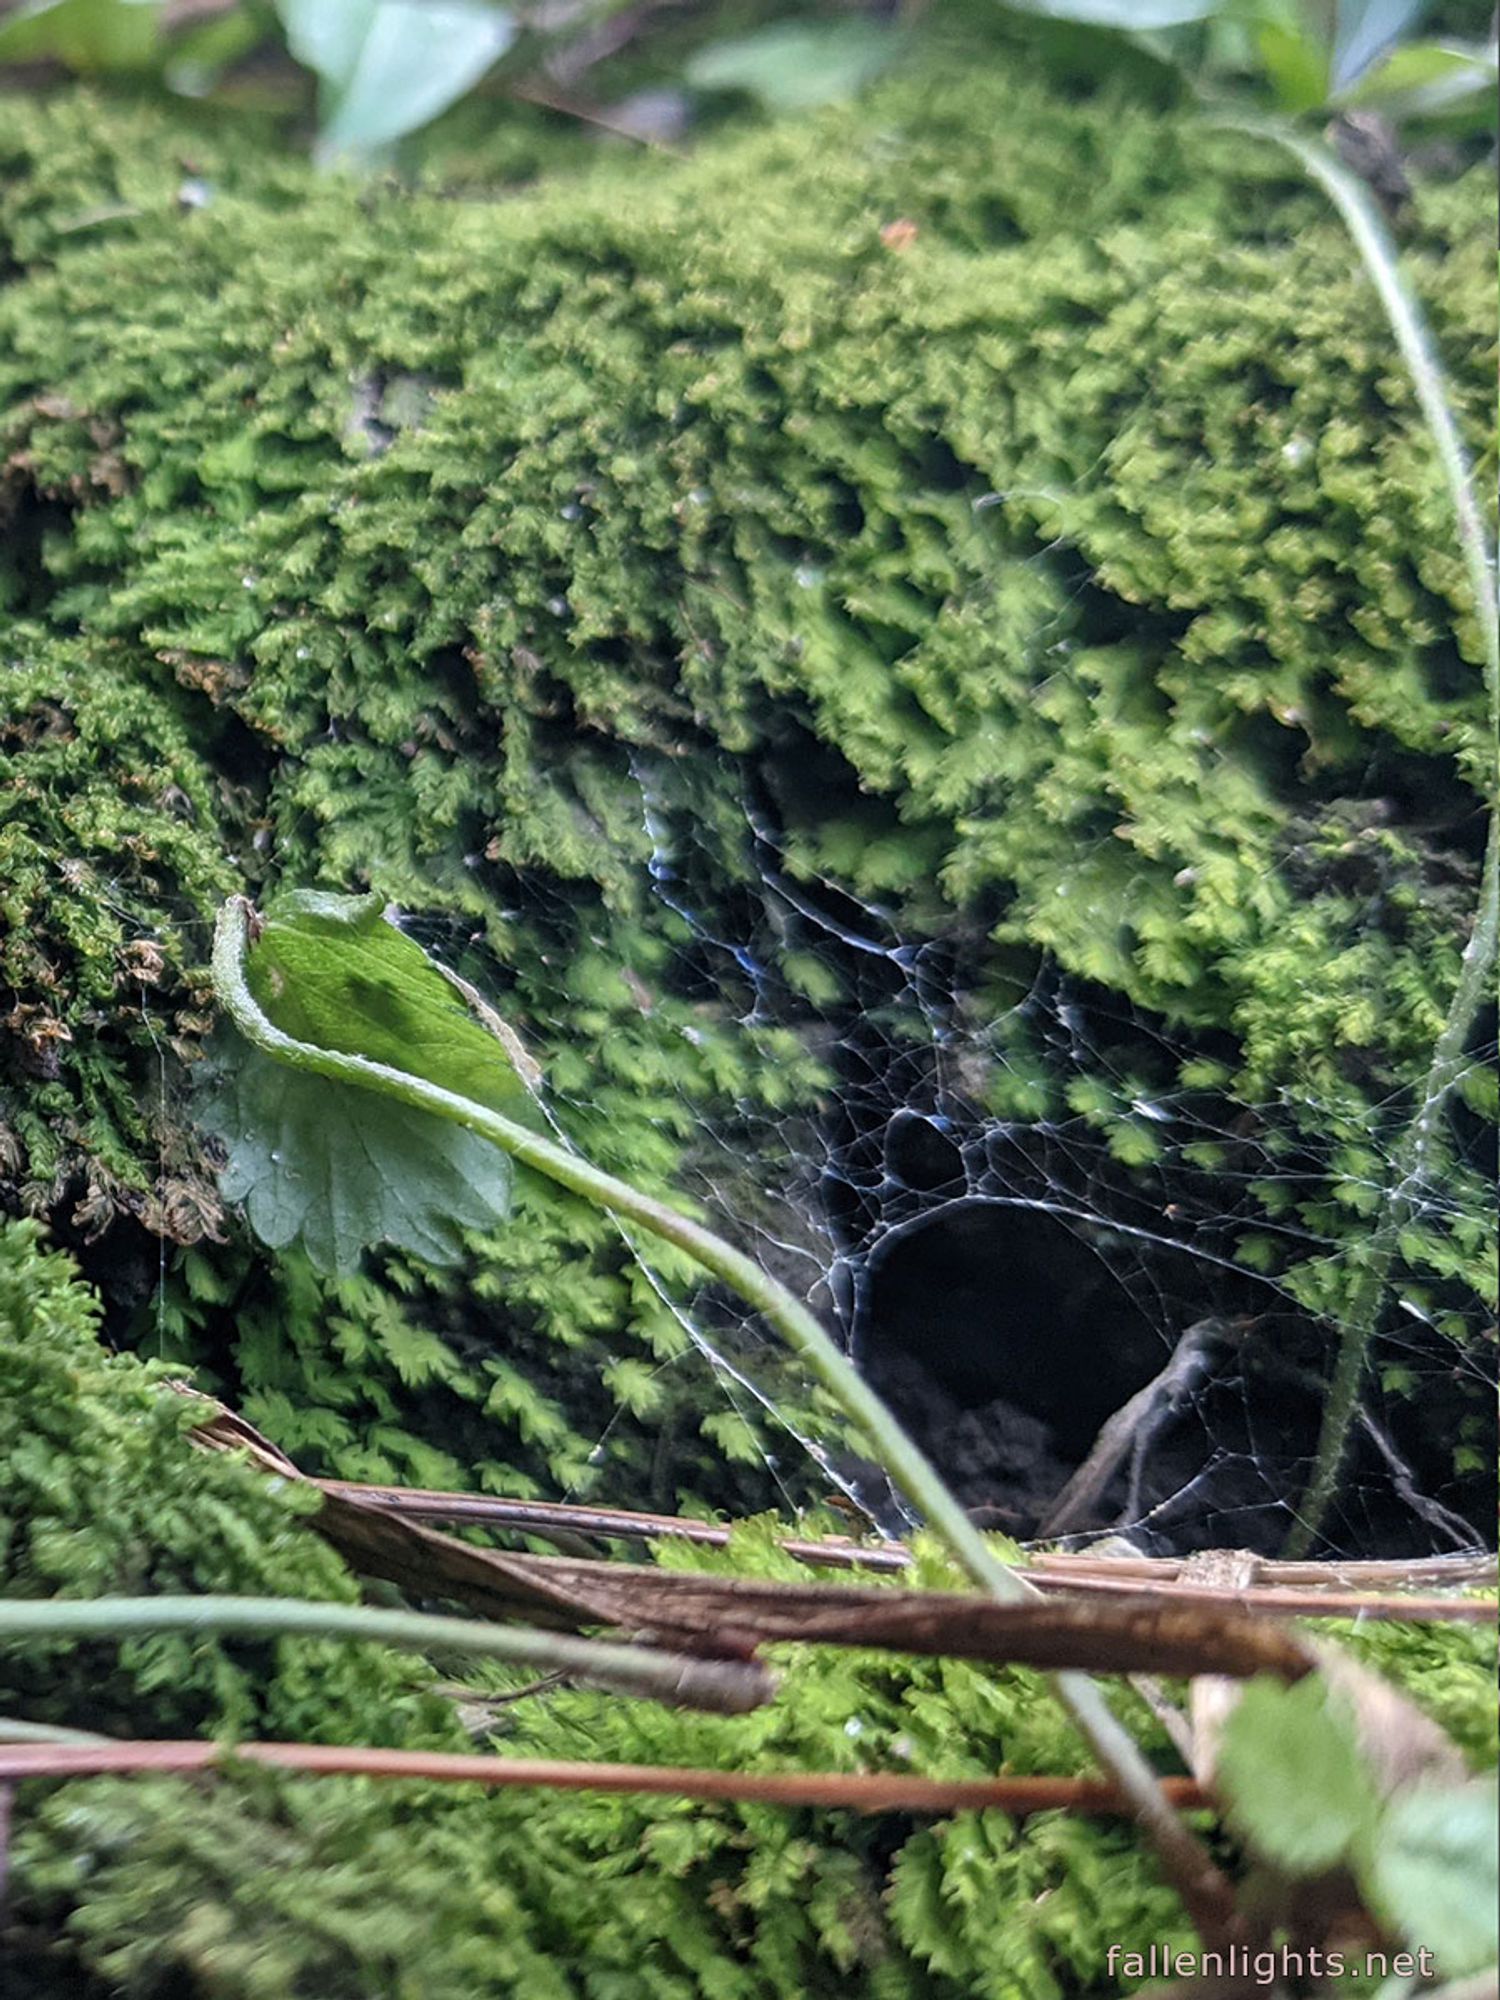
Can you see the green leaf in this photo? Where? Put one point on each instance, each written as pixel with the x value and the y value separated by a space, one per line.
pixel 1433 1873
pixel 1138 16
pixel 1296 65
pixel 1479 1088
pixel 92 37
pixel 200 56
pixel 1258 1252
pixel 635 1385
pixel 733 1436
pixel 338 1167
pixel 1206 1073
pixel 336 972
pixel 796 66
pixel 1134 1144
pixel 388 66
pixel 1293 1776
pixel 1363 31
pixel 1428 79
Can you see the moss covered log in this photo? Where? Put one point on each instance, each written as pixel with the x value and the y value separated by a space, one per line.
pixel 1069 570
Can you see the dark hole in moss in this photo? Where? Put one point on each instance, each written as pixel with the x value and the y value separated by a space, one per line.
pixel 30 528
pixel 802 778
pixel 1102 619
pixel 846 510
pixel 940 467
pixel 996 1300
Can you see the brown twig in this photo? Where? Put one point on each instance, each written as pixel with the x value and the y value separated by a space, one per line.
pixel 1290 1601
pixel 1476 1570
pixel 729 1617
pixel 732 1616
pixel 1286 1589
pixel 857 1792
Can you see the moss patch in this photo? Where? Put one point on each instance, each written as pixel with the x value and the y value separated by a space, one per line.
pixel 1087 551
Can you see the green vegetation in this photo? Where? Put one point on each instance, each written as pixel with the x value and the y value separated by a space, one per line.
pixel 1008 476
pixel 1306 1799
pixel 103 1494
pixel 263 1886
pixel 386 68
pixel 681 454
pixel 303 1882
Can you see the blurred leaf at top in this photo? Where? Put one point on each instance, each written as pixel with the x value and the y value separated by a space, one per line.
pixel 797 65
pixel 92 37
pixel 1138 16
pixel 386 67
pixel 1430 80
pixel 1364 30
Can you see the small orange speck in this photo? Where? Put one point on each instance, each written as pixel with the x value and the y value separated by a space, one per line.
pixel 899 235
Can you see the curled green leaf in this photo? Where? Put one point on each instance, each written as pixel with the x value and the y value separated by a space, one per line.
pixel 322 1161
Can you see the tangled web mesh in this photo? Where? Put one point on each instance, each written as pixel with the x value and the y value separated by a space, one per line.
pixel 1021 1220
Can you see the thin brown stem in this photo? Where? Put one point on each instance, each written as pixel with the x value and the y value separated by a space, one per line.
pixel 865 1792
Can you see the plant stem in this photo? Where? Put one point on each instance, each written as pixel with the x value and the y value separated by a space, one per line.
pixel 728 1686
pixel 1413 1152
pixel 865 1791
pixel 1203 1889
pixel 1408 1173
pixel 31 1734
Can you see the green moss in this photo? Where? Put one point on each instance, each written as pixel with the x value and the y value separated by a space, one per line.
pixel 108 863
pixel 1447 1670
pixel 1089 548
pixel 261 1887
pixel 101 1494
pixel 255 1887
pixel 1078 575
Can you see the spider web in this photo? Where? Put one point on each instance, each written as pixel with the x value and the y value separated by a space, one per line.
pixel 1009 1280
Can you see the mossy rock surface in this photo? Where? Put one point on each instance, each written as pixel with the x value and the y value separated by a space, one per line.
pixel 1067 574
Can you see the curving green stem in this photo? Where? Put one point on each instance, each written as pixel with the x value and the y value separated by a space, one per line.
pixel 1203 1889
pixel 1413 1151
pixel 15 1730
pixel 728 1686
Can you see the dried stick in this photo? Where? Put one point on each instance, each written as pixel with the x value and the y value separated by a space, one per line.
pixel 1136 1423
pixel 863 1792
